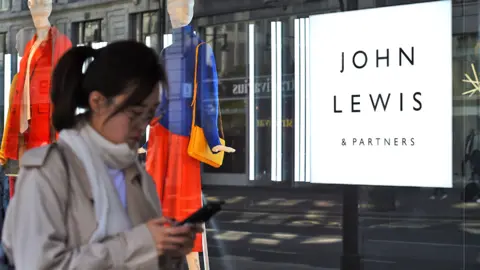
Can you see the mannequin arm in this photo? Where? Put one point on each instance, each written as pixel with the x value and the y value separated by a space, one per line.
pixel 61 45
pixel 3 160
pixel 208 90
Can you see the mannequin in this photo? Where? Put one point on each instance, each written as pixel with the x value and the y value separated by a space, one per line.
pixel 20 44
pixel 177 175
pixel 29 124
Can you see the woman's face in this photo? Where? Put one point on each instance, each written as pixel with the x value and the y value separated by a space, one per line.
pixel 126 126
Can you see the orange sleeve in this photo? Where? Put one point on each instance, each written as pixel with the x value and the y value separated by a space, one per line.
pixel 3 160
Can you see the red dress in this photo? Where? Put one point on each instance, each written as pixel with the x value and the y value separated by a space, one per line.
pixel 176 175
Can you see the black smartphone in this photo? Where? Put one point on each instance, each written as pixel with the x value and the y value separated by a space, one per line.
pixel 203 214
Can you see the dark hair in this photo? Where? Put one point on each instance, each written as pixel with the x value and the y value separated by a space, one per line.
pixel 120 67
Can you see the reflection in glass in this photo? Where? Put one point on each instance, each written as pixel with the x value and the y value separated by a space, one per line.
pixel 4 5
pixel 6 66
pixel 301 77
pixel 149 29
pixel 262 90
pixel 94 45
pixel 5 74
pixel 229 43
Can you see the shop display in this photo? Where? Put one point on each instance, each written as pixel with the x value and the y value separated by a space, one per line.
pixel 29 123
pixel 10 166
pixel 176 173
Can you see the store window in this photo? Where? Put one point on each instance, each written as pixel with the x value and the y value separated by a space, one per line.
pixel 273 116
pixel 4 5
pixel 88 32
pixel 145 28
pixel 230 45
pixel 275 216
pixel 390 218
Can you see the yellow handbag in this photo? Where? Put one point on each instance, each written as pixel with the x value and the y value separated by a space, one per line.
pixel 198 147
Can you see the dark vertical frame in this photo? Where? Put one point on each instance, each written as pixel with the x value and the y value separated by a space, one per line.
pixel 161 24
pixel 75 37
pixel 351 258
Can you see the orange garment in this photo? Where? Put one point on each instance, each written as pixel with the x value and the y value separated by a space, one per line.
pixel 176 175
pixel 11 185
pixel 3 160
pixel 44 60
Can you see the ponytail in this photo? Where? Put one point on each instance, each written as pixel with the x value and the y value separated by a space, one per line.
pixel 67 93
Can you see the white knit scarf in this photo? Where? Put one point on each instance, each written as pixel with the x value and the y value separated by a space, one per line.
pixel 96 153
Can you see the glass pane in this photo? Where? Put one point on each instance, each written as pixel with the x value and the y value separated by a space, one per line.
pixel 275 217
pixel 230 46
pixel 263 100
pixel 92 31
pixel 4 4
pixel 149 30
pixel 24 5
pixel 287 99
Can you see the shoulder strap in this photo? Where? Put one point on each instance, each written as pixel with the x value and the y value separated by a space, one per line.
pixel 194 99
pixel 195 86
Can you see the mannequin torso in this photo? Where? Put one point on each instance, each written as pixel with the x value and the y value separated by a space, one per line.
pixel 29 125
pixel 25 114
pixel 177 175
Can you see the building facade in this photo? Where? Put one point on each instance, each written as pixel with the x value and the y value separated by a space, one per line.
pixel 272 30
pixel 261 49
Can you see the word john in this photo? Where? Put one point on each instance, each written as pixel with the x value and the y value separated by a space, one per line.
pixel 360 58
pixel 379 102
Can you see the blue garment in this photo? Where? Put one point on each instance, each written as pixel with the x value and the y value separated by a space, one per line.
pixel 179 60
pixel 118 179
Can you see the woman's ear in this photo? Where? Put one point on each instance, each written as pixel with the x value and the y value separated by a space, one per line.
pixel 97 101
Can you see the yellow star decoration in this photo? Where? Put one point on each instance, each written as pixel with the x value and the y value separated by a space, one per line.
pixel 475 84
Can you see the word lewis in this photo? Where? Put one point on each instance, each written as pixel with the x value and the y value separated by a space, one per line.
pixel 380 102
pixel 382 58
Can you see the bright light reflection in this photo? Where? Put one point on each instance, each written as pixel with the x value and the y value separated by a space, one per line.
pixel 264 241
pixel 468 205
pixel 7 77
pixel 291 202
pixel 304 223
pixel 235 199
pixel 231 236
pixel 323 240
pixel 284 236
pixel 320 203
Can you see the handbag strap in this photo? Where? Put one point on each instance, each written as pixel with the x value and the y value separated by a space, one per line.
pixel 194 99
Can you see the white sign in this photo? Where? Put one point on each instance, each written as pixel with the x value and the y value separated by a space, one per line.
pixel 381 96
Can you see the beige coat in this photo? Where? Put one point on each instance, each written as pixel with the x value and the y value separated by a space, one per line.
pixel 41 233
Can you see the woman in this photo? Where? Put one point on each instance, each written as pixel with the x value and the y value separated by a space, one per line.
pixel 85 202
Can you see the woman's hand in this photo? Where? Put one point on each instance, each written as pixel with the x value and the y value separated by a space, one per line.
pixel 172 240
